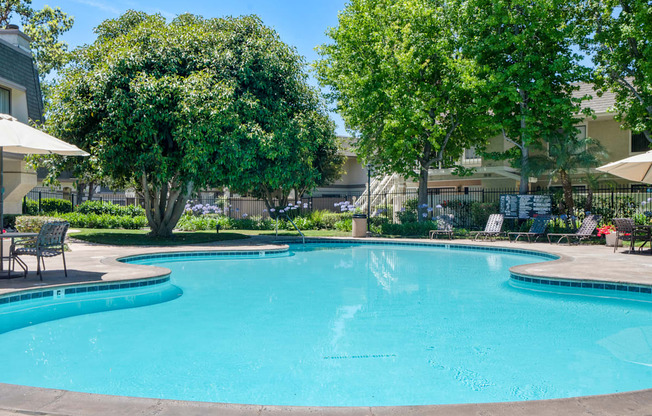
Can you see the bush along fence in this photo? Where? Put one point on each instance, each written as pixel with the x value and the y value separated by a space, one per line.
pixel 390 213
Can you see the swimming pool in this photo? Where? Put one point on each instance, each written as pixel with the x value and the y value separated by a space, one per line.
pixel 343 325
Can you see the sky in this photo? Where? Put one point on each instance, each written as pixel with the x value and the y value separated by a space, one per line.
pixel 299 23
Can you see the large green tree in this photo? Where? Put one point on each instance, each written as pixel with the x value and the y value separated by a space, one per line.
pixel 286 140
pixel 174 108
pixel 395 71
pixel 622 51
pixel 525 51
pixel 44 27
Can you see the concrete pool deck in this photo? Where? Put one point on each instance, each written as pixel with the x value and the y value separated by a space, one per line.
pixel 93 263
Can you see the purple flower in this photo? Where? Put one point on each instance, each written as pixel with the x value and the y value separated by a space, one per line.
pixel 298 202
pixel 424 215
pixel 438 206
pixel 245 215
pixel 305 205
pixel 272 210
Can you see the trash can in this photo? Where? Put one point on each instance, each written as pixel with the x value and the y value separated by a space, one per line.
pixel 359 226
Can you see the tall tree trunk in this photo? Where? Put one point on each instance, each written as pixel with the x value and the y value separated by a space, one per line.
pixel 524 186
pixel 164 205
pixel 80 192
pixel 91 190
pixel 588 205
pixel 423 193
pixel 568 192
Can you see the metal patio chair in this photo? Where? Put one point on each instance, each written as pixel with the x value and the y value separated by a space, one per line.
pixel 492 229
pixel 585 231
pixel 626 231
pixel 537 230
pixel 444 226
pixel 48 243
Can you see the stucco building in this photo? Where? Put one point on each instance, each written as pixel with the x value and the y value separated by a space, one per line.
pixel 20 97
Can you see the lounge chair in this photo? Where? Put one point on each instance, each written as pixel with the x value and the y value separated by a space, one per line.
pixel 444 226
pixel 48 243
pixel 626 231
pixel 492 229
pixel 537 230
pixel 585 231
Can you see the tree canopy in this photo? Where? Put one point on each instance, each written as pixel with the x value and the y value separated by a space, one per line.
pixel 44 27
pixel 524 50
pixel 622 52
pixel 177 107
pixel 402 87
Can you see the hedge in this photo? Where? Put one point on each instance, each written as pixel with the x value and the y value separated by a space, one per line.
pixel 77 219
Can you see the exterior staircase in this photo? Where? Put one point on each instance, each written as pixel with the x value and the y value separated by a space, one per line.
pixel 381 189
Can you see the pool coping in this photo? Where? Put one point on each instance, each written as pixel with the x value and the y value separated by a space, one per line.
pixel 23 399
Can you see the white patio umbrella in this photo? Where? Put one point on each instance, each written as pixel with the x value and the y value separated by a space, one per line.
pixel 17 137
pixel 635 168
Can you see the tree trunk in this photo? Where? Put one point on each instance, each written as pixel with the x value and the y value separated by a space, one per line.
pixel 80 192
pixel 164 205
pixel 568 192
pixel 524 186
pixel 423 194
pixel 588 206
pixel 91 190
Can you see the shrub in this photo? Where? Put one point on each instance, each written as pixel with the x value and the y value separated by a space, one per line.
pixel 33 224
pixel 55 205
pixel 480 212
pixel 419 229
pixel 10 220
pixel 77 219
pixel 409 212
pixel 192 223
pixel 345 224
pixel 30 207
pixel 99 207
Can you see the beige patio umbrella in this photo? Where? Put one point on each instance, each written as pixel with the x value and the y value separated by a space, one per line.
pixel 635 168
pixel 17 137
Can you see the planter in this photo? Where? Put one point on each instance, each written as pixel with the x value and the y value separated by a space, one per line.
pixel 611 240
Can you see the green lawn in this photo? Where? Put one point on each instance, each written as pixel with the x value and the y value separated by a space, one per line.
pixel 121 237
pixel 307 233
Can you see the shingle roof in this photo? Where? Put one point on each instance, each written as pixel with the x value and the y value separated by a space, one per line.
pixel 599 104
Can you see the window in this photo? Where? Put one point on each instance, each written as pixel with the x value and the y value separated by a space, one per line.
pixel 5 101
pixel 639 143
pixel 471 156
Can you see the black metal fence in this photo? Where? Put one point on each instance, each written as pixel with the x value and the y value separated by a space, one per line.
pixel 470 206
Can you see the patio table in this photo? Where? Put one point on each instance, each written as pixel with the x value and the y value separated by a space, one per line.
pixel 11 236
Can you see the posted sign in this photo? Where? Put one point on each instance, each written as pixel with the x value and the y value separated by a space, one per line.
pixel 525 206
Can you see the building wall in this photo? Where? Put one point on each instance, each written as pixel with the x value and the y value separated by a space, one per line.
pixel 18 74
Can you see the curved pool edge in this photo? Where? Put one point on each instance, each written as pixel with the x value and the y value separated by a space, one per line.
pixel 55 402
pixel 572 263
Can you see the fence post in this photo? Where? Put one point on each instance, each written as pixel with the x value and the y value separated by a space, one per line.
pixel 39 202
pixel 24 204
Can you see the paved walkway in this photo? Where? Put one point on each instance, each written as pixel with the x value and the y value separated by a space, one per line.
pixel 89 263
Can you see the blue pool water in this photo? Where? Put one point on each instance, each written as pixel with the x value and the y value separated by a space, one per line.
pixel 336 325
